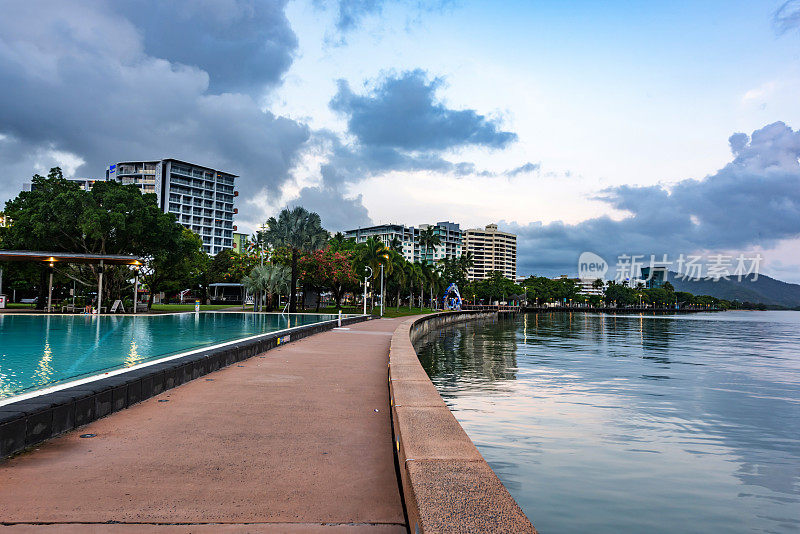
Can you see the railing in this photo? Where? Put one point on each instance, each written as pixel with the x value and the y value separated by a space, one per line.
pixel 490 307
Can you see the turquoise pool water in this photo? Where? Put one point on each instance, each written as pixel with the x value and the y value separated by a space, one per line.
pixel 38 351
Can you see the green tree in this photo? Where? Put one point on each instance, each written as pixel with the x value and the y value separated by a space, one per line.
pixel 326 268
pixel 231 266
pixel 267 280
pixel 299 231
pixel 176 264
pixel 495 287
pixel 373 253
pixel 399 273
pixel 57 215
pixel 428 241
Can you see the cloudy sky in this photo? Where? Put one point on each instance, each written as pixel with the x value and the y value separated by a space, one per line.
pixel 613 127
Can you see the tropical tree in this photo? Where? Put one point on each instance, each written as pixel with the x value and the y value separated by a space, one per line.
pixel 374 254
pixel 325 268
pixel 299 231
pixel 395 244
pixel 179 261
pixel 399 275
pixel 231 266
pixel 267 280
pixel 112 218
pixel 417 278
pixel 428 241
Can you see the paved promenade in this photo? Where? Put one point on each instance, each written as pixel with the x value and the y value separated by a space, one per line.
pixel 288 441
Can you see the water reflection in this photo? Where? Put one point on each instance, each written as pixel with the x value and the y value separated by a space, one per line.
pixel 37 351
pixel 455 355
pixel 634 423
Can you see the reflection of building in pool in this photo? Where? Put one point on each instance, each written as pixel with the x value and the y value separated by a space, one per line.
pixel 480 351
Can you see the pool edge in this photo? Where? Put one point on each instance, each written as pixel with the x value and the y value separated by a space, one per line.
pixel 26 422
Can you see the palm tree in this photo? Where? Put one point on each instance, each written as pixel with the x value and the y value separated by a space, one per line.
pixel 267 280
pixel 466 262
pixel 418 277
pixel 300 231
pixel 374 253
pixel 399 274
pixel 428 240
pixel 395 244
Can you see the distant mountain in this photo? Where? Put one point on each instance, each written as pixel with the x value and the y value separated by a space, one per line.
pixel 764 290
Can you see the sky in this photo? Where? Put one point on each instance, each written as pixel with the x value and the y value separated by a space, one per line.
pixel 614 127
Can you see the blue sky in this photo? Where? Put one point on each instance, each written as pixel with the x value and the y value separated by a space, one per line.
pixel 571 123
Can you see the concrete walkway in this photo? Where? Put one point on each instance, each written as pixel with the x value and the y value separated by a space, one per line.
pixel 297 439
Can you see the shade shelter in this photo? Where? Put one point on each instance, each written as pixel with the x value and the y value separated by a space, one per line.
pixel 227 292
pixel 51 258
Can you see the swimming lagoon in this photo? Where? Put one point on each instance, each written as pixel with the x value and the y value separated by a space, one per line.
pixel 42 351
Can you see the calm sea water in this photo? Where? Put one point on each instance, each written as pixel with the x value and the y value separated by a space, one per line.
pixel 37 351
pixel 633 424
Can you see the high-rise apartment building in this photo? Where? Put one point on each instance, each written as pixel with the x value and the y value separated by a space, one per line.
pixel 408 236
pixel 492 250
pixel 200 197
pixel 386 234
pixel 450 242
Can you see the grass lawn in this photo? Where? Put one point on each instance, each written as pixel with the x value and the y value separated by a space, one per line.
pixel 390 312
pixel 190 307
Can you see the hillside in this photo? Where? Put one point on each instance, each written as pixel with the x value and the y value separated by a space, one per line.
pixel 764 290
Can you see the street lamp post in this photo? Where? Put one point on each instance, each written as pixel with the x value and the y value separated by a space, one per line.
pixel 381 290
pixel 135 288
pixel 366 281
pixel 50 290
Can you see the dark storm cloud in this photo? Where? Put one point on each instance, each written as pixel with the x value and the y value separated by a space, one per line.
pixel 241 44
pixel 80 79
pixel 403 113
pixel 337 211
pixel 787 16
pixel 752 201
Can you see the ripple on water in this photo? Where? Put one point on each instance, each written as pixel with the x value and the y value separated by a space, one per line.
pixel 631 423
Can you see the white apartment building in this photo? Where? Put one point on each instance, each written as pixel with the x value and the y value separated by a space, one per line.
pixel 449 234
pixel 585 286
pixel 200 197
pixel 450 246
pixel 492 250
pixel 386 233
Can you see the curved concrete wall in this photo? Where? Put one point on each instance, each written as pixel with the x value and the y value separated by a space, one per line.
pixel 28 422
pixel 447 485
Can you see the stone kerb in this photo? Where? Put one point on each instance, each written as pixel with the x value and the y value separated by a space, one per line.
pixel 447 485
